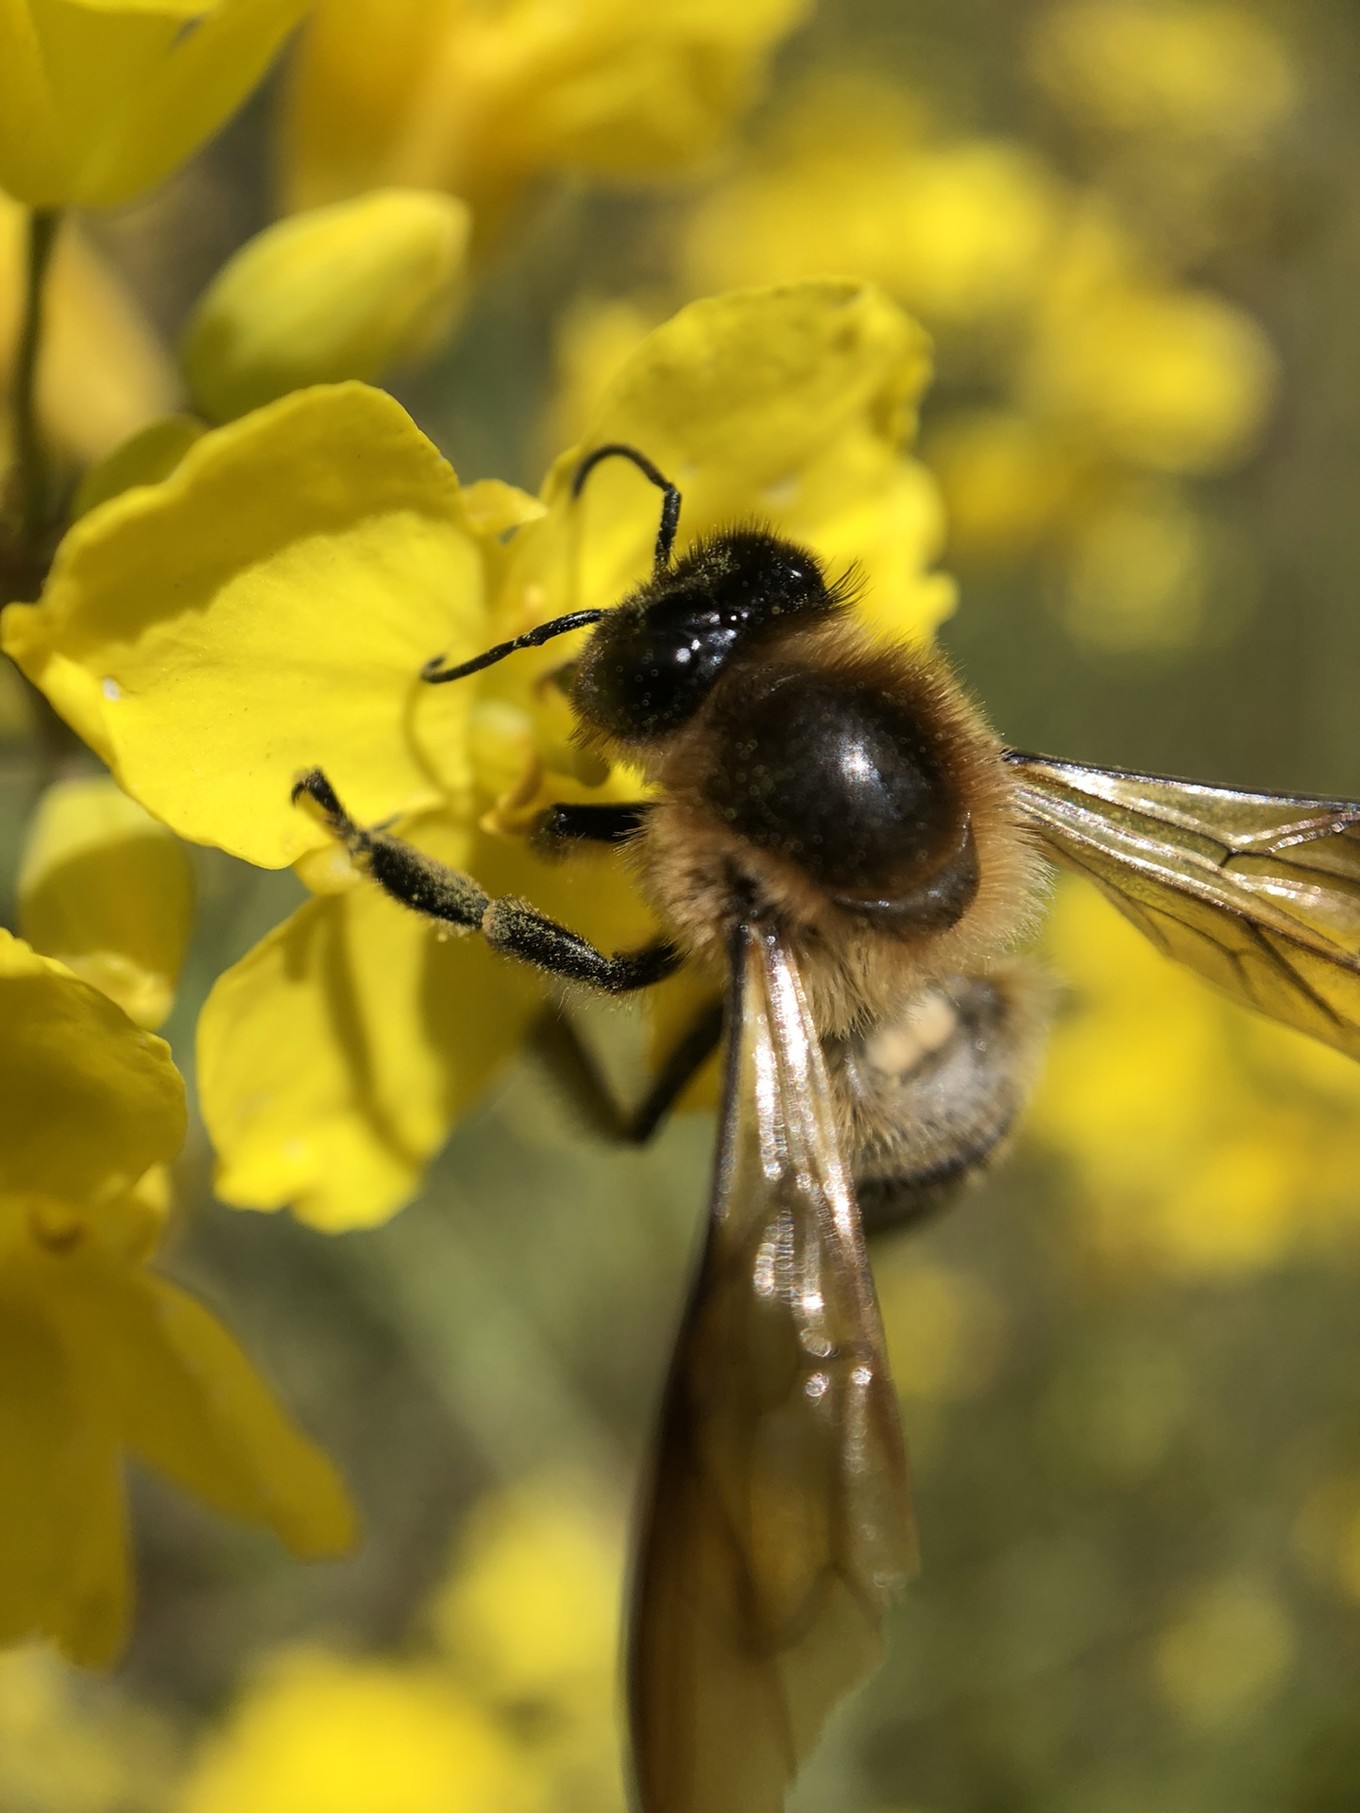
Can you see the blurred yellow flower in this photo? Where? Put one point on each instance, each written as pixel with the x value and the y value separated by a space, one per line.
pixel 62 1751
pixel 102 1355
pixel 481 99
pixel 1075 362
pixel 109 892
pixel 1007 480
pixel 1327 1533
pixel 1171 379
pixel 594 339
pixel 533 1609
pixel 340 292
pixel 103 374
pixel 1205 1142
pixel 946 1330
pixel 319 1733
pixel 1225 1650
pixel 1204 71
pixel 1140 571
pixel 312 556
pixel 104 97
pixel 959 230
pixel 530 1621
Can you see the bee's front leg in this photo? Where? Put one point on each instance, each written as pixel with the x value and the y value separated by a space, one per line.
pixel 429 887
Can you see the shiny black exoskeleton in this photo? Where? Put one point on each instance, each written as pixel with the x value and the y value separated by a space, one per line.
pixel 654 659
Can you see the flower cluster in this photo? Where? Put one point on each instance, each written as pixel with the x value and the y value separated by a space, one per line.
pixel 257 552
pixel 227 553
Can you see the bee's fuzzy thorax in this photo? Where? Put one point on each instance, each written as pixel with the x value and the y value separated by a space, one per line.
pixel 702 873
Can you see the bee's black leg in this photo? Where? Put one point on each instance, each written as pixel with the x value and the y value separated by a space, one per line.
pixel 518 931
pixel 589 823
pixel 419 882
pixel 574 1067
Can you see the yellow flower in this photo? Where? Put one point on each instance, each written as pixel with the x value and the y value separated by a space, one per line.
pixel 529 1621
pixel 340 292
pixel 1226 1649
pixel 1141 567
pixel 1200 70
pixel 1168 378
pixel 1085 361
pixel 1206 1142
pixel 104 97
pixel 318 1733
pixel 311 556
pixel 958 230
pixel 103 373
pixel 946 1330
pixel 532 1610
pixel 1008 480
pixel 107 890
pixel 1327 1533
pixel 63 1751
pixel 101 1355
pixel 481 99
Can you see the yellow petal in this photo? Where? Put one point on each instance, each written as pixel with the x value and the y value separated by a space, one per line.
pixel 109 892
pixel 308 559
pixel 63 1568
pixel 103 372
pixel 1216 75
pixel 88 1101
pixel 479 99
pixel 1177 380
pixel 318 1733
pixel 103 99
pixel 337 1055
pixel 960 231
pixel 340 292
pixel 186 1400
pixel 144 459
pixel 790 405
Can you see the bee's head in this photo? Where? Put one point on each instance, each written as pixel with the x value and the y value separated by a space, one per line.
pixel 652 661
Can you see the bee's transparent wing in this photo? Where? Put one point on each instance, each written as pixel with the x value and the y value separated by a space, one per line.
pixel 779 1523
pixel 1259 892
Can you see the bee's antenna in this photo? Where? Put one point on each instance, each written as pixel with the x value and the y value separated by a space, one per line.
pixel 670 494
pixel 434 672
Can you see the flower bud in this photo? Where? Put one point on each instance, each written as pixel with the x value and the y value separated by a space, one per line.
pixel 108 891
pixel 338 292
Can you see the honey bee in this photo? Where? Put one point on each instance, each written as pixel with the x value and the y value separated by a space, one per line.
pixel 832 826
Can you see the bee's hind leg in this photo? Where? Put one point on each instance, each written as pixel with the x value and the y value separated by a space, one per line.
pixel 575 1070
pixel 429 887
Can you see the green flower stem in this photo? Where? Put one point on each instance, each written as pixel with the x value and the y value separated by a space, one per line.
pixel 29 459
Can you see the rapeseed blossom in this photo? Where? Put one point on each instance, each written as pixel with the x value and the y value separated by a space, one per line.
pixel 104 373
pixel 345 291
pixel 1085 382
pixel 109 892
pixel 111 1357
pixel 482 100
pixel 510 1707
pixel 1207 1143
pixel 104 97
pixel 64 1750
pixel 338 553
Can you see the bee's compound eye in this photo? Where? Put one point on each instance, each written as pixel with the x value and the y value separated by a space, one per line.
pixel 640 679
pixel 653 661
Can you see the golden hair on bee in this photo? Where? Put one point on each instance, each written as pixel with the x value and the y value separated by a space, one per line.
pixel 749 810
